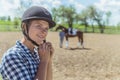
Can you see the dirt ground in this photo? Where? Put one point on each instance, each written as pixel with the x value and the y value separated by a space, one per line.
pixel 100 60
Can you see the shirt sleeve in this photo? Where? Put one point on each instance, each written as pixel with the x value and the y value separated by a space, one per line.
pixel 15 68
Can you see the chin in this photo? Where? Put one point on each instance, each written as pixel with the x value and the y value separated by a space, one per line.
pixel 40 42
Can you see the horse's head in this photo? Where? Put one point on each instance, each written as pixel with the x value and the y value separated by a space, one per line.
pixel 60 27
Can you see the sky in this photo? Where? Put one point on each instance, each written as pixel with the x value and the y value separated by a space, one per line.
pixel 8 7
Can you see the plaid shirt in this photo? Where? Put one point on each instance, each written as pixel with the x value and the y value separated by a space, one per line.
pixel 18 63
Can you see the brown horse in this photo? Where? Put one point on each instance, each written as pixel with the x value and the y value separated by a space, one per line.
pixel 78 34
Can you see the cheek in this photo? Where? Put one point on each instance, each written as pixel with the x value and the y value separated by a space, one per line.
pixel 32 33
pixel 46 34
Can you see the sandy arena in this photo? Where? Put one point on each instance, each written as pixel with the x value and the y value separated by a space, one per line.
pixel 100 60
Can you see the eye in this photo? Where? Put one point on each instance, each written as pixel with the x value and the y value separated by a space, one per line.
pixel 45 30
pixel 38 27
pixel 42 29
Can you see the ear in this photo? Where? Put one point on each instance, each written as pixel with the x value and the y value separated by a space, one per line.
pixel 23 26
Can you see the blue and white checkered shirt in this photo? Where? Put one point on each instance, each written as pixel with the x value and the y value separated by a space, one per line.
pixel 18 63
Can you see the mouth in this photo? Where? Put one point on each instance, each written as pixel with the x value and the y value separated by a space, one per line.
pixel 41 37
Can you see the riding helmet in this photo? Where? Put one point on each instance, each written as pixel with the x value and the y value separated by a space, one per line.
pixel 37 12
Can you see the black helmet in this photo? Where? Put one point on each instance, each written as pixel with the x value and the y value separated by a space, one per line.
pixel 37 12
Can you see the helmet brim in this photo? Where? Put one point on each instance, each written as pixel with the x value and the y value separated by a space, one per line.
pixel 51 22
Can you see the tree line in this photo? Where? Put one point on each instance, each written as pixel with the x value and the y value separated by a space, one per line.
pixel 91 16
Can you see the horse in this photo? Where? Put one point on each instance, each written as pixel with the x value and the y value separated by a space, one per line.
pixel 78 34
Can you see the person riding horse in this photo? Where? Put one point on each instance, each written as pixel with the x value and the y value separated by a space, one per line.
pixel 70 30
pixel 77 33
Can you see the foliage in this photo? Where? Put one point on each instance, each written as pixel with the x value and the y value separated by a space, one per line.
pixel 16 22
pixel 9 26
pixel 0 78
pixel 2 22
pixel 90 19
pixel 64 14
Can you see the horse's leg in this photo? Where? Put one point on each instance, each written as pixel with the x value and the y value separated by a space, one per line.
pixel 82 41
pixel 67 43
pixel 78 44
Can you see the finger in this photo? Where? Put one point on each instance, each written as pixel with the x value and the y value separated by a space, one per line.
pixel 46 48
pixel 42 48
pixel 52 51
pixel 49 44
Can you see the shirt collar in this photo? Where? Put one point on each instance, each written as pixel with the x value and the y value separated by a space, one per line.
pixel 25 48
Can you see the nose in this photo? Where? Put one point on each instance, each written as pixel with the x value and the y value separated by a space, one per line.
pixel 44 31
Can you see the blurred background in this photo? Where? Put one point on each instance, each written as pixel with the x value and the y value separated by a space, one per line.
pixel 98 19
pixel 95 16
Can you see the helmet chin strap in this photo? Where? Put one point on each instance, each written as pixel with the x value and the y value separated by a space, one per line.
pixel 27 36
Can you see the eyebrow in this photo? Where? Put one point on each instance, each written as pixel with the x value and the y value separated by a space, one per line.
pixel 42 27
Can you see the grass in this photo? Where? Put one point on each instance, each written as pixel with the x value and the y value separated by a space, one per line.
pixel 0 77
pixel 5 28
pixel 8 26
pixel 107 30
pixel 6 22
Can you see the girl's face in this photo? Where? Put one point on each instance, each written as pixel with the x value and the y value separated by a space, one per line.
pixel 38 30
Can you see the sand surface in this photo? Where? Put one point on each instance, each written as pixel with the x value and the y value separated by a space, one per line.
pixel 99 60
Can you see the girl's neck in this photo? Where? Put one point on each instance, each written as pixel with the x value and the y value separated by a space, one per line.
pixel 28 44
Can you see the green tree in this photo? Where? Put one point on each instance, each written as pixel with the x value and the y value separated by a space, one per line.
pixel 99 19
pixel 83 19
pixel 3 18
pixel 65 14
pixel 55 14
pixel 96 15
pixel 9 19
pixel 108 14
pixel 16 22
pixel 91 14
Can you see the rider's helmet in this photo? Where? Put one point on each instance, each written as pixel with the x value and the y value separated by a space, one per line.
pixel 36 13
pixel 40 13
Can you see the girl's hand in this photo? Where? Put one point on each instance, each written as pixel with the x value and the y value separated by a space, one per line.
pixel 45 52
